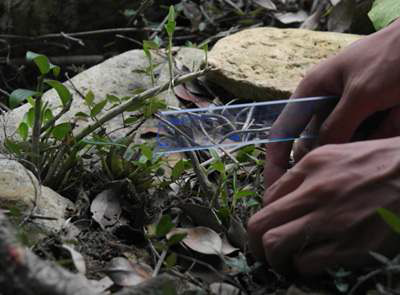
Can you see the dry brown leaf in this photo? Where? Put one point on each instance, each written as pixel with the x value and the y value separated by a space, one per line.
pixel 126 273
pixel 106 208
pixel 77 258
pixel 200 239
pixel 223 289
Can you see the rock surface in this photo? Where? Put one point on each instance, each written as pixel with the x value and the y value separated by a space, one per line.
pixel 20 189
pixel 268 63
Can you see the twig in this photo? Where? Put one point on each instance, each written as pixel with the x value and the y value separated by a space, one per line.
pixel 159 263
pixel 145 4
pixel 83 34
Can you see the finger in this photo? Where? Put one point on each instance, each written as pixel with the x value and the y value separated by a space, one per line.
pixel 289 125
pixel 344 120
pixel 304 146
pixel 282 243
pixel 317 259
pixel 280 212
pixel 390 127
pixel 290 181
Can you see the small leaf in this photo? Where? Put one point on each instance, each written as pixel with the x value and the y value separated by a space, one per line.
pixel 146 151
pixel 12 146
pixel 82 115
pixel 29 117
pixel 390 218
pixel 20 95
pixel 23 129
pixel 164 226
pixel 77 258
pixel 62 91
pixel 41 61
pixel 178 169
pixel 61 130
pixel 48 115
pixel 98 108
pixel 113 99
pixel 176 238
pixel 126 273
pixel 171 260
pixel 219 166
pixel 170 26
pixel 242 194
pixel 89 98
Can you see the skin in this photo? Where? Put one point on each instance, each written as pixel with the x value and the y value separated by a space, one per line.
pixel 321 213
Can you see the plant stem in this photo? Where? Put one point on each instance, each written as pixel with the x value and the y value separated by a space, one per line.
pixel 37 124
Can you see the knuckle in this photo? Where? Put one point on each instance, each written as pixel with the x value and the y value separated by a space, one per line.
pixel 272 241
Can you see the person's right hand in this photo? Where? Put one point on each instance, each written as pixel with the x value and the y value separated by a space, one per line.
pixel 366 77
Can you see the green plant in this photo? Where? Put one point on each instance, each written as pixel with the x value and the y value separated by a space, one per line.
pixel 384 12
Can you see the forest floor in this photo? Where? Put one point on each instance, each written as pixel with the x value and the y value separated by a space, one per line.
pixel 167 223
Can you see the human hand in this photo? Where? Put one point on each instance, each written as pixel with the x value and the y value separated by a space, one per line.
pixel 366 78
pixel 323 212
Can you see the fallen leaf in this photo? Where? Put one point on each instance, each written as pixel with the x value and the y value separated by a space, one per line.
pixel 77 259
pixel 223 289
pixel 227 248
pixel 291 17
pixel 202 216
pixel 126 273
pixel 106 208
pixel 267 4
pixel 200 239
pixel 183 93
pixel 101 285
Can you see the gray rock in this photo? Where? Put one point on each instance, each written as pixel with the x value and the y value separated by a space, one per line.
pixel 268 63
pixel 20 189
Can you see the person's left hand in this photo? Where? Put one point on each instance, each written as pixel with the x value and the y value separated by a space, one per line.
pixel 323 212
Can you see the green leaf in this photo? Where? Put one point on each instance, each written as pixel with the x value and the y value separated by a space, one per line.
pixel 12 146
pixel 245 193
pixel 170 26
pixel 384 12
pixel 131 120
pixel 178 169
pixel 89 98
pixel 41 61
pixel 48 115
pixel 390 218
pixel 62 91
pixel 61 130
pixel 170 261
pixel 23 129
pixel 176 238
pixel 152 106
pixel 29 117
pixel 20 95
pixel 113 99
pixel 82 115
pixel 98 108
pixel 164 226
pixel 219 166
pixel 146 151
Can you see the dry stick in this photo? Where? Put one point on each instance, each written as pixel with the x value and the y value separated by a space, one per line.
pixel 82 34
pixel 117 111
